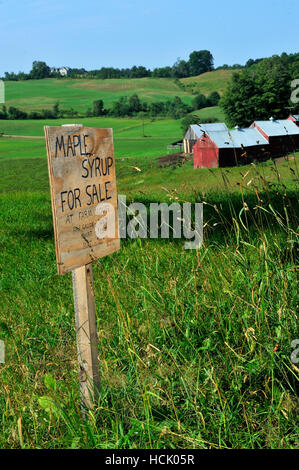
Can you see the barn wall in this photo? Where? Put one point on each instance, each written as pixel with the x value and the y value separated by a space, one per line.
pixel 191 144
pixel 191 138
pixel 205 153
pixel 229 156
pixel 282 145
pixel 293 142
pixel 243 156
pixel 254 152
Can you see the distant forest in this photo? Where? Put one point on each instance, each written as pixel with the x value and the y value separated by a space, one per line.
pixel 199 62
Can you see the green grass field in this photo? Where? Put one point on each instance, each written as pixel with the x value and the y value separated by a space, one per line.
pixel 194 346
pixel 208 82
pixel 124 128
pixel 128 136
pixel 79 94
pixel 211 113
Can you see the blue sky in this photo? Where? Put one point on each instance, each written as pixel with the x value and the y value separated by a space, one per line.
pixel 154 33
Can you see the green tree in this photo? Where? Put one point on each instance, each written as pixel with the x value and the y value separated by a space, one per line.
pixel 40 70
pixel 157 108
pixel 56 110
pixel 162 72
pixel 200 62
pixel 180 69
pixel 98 108
pixel 135 104
pixel 213 98
pixel 199 102
pixel 121 107
pixel 3 113
pixel 272 81
pixel 15 113
pixel 188 121
pixel 177 108
pixel 257 94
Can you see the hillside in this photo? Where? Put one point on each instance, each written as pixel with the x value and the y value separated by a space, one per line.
pixel 208 82
pixel 213 113
pixel 79 94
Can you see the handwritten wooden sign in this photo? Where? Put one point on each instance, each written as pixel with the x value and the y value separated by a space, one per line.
pixel 83 193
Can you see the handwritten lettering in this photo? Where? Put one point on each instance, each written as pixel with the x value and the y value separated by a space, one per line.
pixel 96 167
pixel 72 146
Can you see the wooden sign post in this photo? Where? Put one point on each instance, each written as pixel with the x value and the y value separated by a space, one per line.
pixel 84 207
pixel 87 339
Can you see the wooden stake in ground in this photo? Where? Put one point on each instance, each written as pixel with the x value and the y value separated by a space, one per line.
pixel 87 339
pixel 85 218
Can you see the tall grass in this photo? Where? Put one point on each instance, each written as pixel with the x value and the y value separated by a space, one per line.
pixel 194 346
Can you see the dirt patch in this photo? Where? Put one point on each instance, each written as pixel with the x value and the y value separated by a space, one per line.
pixel 284 159
pixel 174 159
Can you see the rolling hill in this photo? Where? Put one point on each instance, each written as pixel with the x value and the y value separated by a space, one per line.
pixel 208 82
pixel 79 94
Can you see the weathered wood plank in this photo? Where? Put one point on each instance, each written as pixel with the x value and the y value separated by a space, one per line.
pixel 82 180
pixel 87 340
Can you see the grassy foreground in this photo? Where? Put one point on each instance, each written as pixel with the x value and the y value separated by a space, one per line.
pixel 194 346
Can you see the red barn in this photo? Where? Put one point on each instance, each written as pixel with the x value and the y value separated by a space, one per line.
pixel 282 135
pixel 227 148
pixel 195 131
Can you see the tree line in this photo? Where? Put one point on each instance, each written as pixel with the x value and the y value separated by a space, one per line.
pixel 261 91
pixel 199 62
pixel 125 106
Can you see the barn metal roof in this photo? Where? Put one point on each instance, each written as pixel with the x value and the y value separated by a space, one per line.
pixel 237 138
pixel 195 131
pixel 273 128
pixel 295 116
pixel 208 127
